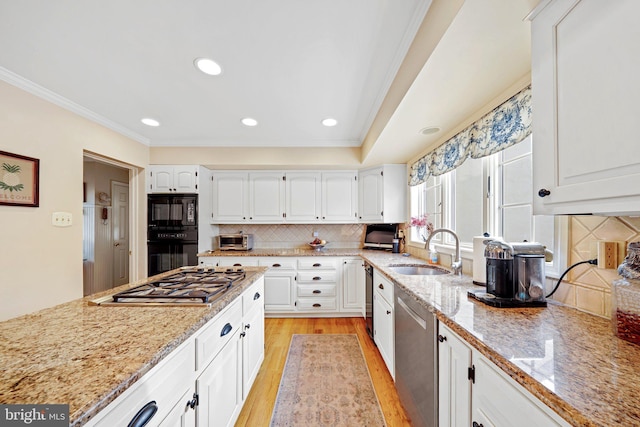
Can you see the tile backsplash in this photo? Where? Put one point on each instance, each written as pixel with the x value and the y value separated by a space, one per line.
pixel 298 235
pixel 587 287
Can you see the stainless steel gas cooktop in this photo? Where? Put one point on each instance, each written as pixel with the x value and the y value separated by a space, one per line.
pixel 191 286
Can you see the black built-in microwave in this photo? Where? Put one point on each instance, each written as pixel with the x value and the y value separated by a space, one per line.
pixel 172 211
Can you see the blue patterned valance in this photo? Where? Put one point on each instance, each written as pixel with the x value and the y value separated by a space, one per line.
pixel 503 127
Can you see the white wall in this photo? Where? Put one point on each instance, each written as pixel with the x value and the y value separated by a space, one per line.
pixel 41 265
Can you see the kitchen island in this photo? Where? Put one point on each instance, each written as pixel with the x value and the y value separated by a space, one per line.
pixel 86 355
pixel 569 360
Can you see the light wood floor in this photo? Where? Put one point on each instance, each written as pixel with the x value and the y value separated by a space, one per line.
pixel 259 404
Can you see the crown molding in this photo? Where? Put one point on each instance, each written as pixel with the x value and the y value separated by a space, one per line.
pixel 48 95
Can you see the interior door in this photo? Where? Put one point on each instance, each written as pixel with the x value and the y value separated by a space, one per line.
pixel 120 230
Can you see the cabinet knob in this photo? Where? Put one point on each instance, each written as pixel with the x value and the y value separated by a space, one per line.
pixel 475 424
pixel 193 402
pixel 442 338
pixel 256 296
pixel 243 334
pixel 543 192
pixel 388 312
pixel 381 286
pixel 247 326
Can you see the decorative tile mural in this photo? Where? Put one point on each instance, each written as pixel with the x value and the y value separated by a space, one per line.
pixel 298 235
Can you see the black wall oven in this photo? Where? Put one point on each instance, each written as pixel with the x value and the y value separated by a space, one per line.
pixel 172 234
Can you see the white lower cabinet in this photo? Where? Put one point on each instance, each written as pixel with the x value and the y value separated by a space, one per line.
pixel 383 320
pixel 203 382
pixel 353 285
pixel 219 386
pixel 474 391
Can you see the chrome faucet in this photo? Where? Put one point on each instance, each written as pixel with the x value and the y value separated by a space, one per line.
pixel 456 264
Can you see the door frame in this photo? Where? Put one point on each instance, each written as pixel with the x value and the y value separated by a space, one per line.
pixel 135 249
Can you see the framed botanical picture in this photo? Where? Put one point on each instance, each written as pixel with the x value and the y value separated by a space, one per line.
pixel 19 180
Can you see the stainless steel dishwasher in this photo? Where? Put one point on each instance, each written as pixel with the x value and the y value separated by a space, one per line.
pixel 416 359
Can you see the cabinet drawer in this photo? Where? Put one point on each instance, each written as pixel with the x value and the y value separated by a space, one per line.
pixel 316 304
pixel 164 384
pixel 317 291
pixel 253 297
pixel 237 261
pixel 321 276
pixel 278 263
pixel 214 335
pixel 383 286
pixel 317 263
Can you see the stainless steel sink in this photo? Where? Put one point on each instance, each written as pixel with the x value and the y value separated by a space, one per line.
pixel 418 269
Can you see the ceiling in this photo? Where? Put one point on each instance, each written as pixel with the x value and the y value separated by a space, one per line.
pixel 289 64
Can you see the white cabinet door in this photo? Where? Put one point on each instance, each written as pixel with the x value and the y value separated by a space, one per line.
pixel 183 413
pixel 585 61
pixel 185 179
pixel 339 196
pixel 252 344
pixel 353 285
pixel 266 197
pixel 279 291
pixel 303 197
pixel 454 385
pixel 370 195
pixel 383 330
pixel 172 179
pixel 230 197
pixel 220 387
pixel 498 399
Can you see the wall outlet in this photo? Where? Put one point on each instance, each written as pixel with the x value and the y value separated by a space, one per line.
pixel 609 253
pixel 315 234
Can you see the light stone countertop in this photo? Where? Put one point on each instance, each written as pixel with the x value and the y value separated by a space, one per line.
pixel 87 355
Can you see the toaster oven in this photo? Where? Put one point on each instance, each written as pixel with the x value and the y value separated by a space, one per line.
pixel 235 242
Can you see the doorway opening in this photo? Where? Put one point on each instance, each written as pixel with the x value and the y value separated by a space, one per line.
pixel 107 223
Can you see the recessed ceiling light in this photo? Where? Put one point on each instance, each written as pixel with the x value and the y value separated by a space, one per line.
pixel 430 130
pixel 208 66
pixel 150 122
pixel 329 122
pixel 248 121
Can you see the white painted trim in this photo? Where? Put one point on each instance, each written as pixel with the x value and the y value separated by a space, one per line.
pixel 48 95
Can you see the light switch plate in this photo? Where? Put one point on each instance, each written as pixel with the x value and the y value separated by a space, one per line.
pixel 61 219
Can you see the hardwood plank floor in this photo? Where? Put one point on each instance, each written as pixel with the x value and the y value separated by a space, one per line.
pixel 261 400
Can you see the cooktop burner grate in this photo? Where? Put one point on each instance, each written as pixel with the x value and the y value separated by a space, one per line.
pixel 200 285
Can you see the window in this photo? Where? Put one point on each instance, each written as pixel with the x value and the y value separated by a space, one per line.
pixel 494 195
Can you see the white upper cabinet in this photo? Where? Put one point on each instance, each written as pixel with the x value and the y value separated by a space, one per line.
pixel 586 149
pixel 172 179
pixel 339 196
pixel 266 197
pixel 382 194
pixel 303 196
pixel 230 197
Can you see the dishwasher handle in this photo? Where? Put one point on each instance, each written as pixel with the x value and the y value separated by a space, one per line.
pixel 413 314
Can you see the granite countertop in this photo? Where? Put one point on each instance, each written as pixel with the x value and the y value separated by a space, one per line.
pixel 570 360
pixel 86 355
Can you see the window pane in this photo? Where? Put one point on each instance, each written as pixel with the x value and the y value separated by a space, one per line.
pixel 516 223
pixel 469 200
pixel 518 184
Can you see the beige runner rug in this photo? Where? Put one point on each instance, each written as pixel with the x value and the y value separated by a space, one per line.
pixel 326 383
